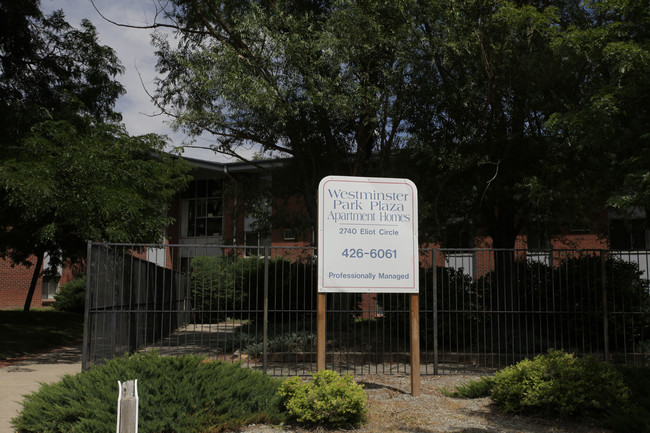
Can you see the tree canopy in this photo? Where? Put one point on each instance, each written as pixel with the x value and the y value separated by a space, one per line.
pixel 69 172
pixel 507 114
pixel 321 82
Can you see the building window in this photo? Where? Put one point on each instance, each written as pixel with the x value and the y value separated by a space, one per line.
pixel 202 209
pixel 50 286
pixel 537 238
pixel 290 234
pixel 628 235
pixel 255 243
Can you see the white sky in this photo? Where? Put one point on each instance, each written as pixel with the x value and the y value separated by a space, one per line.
pixel 137 56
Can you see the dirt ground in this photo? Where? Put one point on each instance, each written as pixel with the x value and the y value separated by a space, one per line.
pixel 393 409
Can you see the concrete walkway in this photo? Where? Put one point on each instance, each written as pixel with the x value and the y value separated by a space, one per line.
pixel 24 376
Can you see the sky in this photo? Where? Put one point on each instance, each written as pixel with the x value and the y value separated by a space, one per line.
pixel 136 53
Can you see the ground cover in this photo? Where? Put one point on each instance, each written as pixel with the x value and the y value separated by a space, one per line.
pixel 37 331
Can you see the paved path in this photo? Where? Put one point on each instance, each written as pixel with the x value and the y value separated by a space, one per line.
pixel 25 375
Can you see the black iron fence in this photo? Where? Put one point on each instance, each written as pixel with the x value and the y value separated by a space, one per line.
pixel 480 310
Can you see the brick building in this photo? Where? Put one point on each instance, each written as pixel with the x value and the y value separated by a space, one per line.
pixel 234 204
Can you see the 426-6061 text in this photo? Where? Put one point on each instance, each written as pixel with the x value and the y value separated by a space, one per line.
pixel 375 253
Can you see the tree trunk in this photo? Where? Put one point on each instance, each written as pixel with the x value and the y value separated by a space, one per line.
pixel 504 231
pixel 32 285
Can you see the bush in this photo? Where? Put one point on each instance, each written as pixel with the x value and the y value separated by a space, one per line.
pixel 560 384
pixel 637 417
pixel 327 399
pixel 184 394
pixel 71 296
pixel 227 284
pixel 294 342
pixel 221 282
pixel 570 284
pixel 455 291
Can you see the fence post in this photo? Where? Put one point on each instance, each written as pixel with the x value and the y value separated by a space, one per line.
pixel 127 407
pixel 265 342
pixel 89 269
pixel 414 318
pixel 435 311
pixel 603 275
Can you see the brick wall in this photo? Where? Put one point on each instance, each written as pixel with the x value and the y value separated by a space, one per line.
pixel 14 284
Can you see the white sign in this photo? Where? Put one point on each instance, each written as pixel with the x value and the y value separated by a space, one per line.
pixel 368 235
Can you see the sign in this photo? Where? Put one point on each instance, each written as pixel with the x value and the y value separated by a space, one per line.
pixel 368 235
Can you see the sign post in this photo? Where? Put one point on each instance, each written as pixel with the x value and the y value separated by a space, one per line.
pixel 368 243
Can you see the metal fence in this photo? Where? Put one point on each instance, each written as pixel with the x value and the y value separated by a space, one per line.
pixel 480 310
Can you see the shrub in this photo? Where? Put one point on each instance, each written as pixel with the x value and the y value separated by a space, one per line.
pixel 177 394
pixel 571 284
pixel 455 291
pixel 220 282
pixel 327 399
pixel 227 284
pixel 636 417
pixel 71 296
pixel 560 384
pixel 294 342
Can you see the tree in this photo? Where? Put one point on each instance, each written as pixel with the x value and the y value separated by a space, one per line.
pixel 491 74
pixel 320 81
pixel 69 172
pixel 611 117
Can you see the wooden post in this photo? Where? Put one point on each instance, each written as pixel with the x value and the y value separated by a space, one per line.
pixel 414 314
pixel 321 309
pixel 127 407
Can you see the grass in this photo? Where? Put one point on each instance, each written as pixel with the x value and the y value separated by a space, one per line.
pixel 478 388
pixel 37 331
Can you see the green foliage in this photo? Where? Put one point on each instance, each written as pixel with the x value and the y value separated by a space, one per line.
pixel 568 291
pixel 321 82
pixel 329 399
pixel 560 384
pixel 69 171
pixel 478 134
pixel 476 388
pixel 455 288
pixel 183 394
pixel 571 284
pixel 636 416
pixel 71 296
pixel 223 283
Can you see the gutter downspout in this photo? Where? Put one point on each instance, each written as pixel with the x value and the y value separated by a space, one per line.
pixel 234 225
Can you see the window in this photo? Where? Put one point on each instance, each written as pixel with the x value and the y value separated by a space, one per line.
pixel 537 238
pixel 255 243
pixel 628 235
pixel 290 234
pixel 458 236
pixel 202 209
pixel 50 286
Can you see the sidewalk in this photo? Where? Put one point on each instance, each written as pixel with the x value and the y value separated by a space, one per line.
pixel 24 376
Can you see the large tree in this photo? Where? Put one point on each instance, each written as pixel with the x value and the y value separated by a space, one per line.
pixel 496 98
pixel 491 74
pixel 69 172
pixel 320 81
pixel 611 116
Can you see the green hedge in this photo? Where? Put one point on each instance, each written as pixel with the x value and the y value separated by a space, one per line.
pixel 185 394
